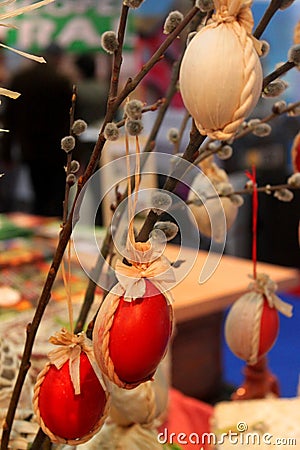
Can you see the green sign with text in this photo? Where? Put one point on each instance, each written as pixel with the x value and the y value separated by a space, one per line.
pixel 75 25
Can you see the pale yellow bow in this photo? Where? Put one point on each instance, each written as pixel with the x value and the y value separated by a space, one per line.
pixel 70 348
pixel 267 287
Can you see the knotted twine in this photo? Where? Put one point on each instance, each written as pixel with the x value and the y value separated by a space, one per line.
pixel 70 348
pixel 263 288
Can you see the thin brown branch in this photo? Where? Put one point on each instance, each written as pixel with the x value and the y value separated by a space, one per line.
pixel 132 83
pixel 267 119
pixel 145 109
pixel 92 285
pixel 284 68
pixel 266 18
pixel 32 329
pixel 189 155
pixel 41 441
pixel 118 58
pixel 69 157
pixel 267 189
pixel 182 128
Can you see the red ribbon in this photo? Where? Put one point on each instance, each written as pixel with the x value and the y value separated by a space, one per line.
pixel 252 177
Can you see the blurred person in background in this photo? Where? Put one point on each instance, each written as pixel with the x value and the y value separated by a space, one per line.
pixel 37 121
pixel 92 92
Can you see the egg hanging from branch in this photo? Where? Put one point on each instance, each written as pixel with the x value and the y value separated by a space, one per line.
pixel 221 75
pixel 134 324
pixel 70 400
pixel 252 324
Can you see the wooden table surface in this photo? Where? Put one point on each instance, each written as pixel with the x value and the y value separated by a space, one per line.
pixel 229 281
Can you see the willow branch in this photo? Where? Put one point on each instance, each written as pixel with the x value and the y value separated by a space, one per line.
pixel 118 58
pixel 92 285
pixel 69 157
pixel 182 128
pixel 267 189
pixel 32 329
pixel 284 68
pixel 266 18
pixel 132 83
pixel 41 441
pixel 266 119
pixel 189 155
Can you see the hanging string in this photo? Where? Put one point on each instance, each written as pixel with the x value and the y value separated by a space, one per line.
pixel 66 279
pixel 252 177
pixel 132 202
pixel 130 205
pixel 137 174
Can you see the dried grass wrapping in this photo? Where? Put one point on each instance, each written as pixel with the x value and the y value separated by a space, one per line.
pixel 221 75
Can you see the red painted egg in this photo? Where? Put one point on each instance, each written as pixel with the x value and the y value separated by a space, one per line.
pixel 139 336
pixel 296 153
pixel 244 320
pixel 65 414
pixel 269 328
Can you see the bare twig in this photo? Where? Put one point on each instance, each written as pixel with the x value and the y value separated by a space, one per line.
pixel 284 68
pixel 118 58
pixel 32 329
pixel 145 109
pixel 266 119
pixel 69 157
pixel 267 189
pixel 189 155
pixel 132 83
pixel 182 128
pixel 269 13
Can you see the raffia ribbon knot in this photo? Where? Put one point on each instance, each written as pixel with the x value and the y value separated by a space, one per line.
pixel 132 278
pixel 70 348
pixel 223 16
pixel 267 287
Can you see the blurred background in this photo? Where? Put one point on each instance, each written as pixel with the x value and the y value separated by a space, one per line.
pixel 74 28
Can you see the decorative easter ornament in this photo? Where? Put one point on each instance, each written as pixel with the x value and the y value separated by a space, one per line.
pixel 212 210
pixel 133 328
pixel 296 37
pixel 70 401
pixel 296 153
pixel 221 75
pixel 134 324
pixel 252 324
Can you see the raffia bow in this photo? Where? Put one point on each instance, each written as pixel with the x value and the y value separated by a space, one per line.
pixel 70 348
pixel 267 287
pixel 132 277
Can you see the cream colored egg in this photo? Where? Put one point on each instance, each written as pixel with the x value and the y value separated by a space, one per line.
pixel 242 326
pixel 220 78
pixel 210 218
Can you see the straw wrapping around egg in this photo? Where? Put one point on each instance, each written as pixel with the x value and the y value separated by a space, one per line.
pixel 221 75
